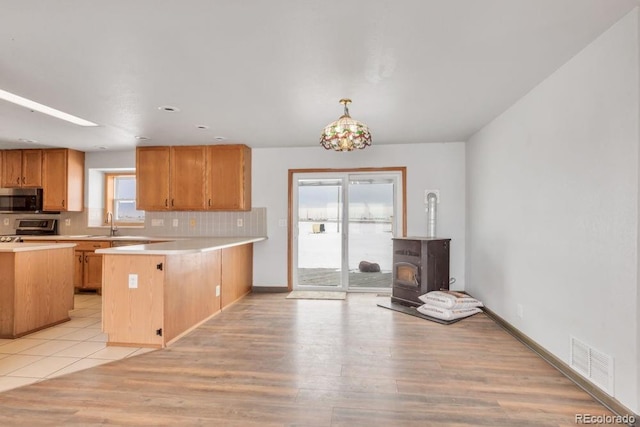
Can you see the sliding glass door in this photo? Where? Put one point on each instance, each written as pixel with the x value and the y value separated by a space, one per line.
pixel 343 225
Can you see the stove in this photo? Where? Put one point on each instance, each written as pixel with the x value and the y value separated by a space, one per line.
pixel 32 227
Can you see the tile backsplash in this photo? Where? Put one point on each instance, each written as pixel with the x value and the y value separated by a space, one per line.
pixel 185 224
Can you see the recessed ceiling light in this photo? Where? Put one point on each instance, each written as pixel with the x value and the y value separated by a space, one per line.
pixel 202 127
pixel 35 106
pixel 220 138
pixel 28 141
pixel 142 138
pixel 100 147
pixel 169 109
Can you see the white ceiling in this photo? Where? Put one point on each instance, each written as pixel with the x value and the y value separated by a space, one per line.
pixel 271 73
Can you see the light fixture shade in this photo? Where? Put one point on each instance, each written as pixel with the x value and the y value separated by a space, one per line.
pixel 345 134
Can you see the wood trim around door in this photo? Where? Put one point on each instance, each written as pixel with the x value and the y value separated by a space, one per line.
pixel 403 173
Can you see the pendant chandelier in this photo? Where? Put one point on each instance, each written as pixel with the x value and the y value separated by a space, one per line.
pixel 345 134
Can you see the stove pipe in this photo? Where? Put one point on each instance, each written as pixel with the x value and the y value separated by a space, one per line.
pixel 432 199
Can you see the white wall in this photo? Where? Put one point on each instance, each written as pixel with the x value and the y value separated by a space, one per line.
pixel 552 208
pixel 429 166
pixel 96 161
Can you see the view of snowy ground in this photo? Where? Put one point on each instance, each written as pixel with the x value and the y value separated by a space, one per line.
pixel 367 242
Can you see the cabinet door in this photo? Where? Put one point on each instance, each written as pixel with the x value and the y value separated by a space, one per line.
pixel 78 270
pixel 188 177
pixel 92 270
pixel 63 180
pixel 31 168
pixel 152 178
pixel 12 170
pixel 229 177
pixel 144 305
pixel 54 171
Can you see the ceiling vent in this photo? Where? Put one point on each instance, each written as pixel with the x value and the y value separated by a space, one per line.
pixel 596 366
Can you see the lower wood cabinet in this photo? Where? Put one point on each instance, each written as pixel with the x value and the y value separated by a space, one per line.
pixel 152 300
pixel 35 290
pixel 88 265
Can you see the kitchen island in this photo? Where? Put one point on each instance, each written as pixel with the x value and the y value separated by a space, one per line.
pixel 36 286
pixel 155 293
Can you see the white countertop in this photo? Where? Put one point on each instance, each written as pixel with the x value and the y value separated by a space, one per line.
pixel 90 237
pixel 181 246
pixel 25 247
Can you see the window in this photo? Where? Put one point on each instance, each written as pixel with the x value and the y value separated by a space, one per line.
pixel 121 199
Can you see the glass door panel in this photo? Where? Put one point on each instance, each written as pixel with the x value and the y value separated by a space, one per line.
pixel 319 233
pixel 371 225
pixel 343 226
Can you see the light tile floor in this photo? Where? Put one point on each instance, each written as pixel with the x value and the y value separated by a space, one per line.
pixel 69 347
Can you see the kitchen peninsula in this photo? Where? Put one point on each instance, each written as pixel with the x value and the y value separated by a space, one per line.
pixel 154 293
pixel 36 286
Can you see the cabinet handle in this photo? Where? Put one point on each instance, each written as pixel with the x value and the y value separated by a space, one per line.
pixel 63 203
pixel 209 202
pixel 23 180
pixel 18 181
pixel 79 258
pixel 171 202
pixel 86 258
pixel 166 202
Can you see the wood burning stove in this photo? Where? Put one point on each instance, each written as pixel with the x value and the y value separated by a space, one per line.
pixel 420 265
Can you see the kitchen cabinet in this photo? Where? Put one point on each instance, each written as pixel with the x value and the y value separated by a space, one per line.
pixel 33 298
pixel 236 276
pixel 229 177
pixel 22 168
pixel 63 180
pixel 152 178
pixel 173 295
pixel 170 178
pixel 194 178
pixel 88 264
pixel 187 177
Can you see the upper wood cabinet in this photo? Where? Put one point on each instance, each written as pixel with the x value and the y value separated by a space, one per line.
pixel 188 177
pixel 170 178
pixel 194 178
pixel 228 177
pixel 22 168
pixel 152 178
pixel 63 180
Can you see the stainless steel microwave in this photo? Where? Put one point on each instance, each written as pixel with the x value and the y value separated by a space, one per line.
pixel 20 200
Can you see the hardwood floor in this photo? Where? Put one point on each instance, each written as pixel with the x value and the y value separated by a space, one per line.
pixel 269 361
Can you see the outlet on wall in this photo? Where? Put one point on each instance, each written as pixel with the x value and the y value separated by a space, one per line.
pixel 240 222
pixel 6 221
pixel 175 222
pixel 67 222
pixel 133 281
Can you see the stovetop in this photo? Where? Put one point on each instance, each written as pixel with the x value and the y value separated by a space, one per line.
pixel 11 239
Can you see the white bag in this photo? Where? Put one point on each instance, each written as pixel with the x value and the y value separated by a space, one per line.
pixel 449 299
pixel 447 314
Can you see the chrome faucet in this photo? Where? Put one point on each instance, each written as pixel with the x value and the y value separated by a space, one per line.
pixel 109 220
